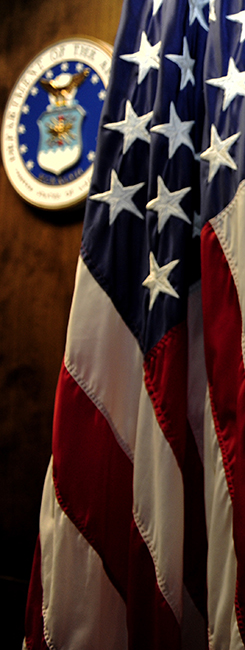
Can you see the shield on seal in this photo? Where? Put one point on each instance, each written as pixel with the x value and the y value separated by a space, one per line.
pixel 60 141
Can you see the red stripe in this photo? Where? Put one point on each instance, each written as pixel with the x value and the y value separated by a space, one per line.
pixel 151 622
pixel 222 336
pixel 34 620
pixel 166 381
pixel 239 502
pixel 93 477
pixel 222 339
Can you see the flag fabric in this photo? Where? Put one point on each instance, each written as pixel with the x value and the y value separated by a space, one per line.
pixel 223 312
pixel 120 563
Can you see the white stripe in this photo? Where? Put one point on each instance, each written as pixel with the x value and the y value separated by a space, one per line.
pixel 81 608
pixel 222 565
pixel 229 227
pixel 158 503
pixel 104 358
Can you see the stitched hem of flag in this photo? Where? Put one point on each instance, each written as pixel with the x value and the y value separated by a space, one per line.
pixel 210 642
pixel 69 512
pixel 216 225
pixel 91 395
pixel 240 618
pixel 46 634
pixel 161 583
pixel 222 445
pixel 164 420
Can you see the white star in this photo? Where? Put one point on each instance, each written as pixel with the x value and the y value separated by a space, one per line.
pixel 218 152
pixel 30 164
pixel 157 280
pixel 185 63
pixel 167 204
pixel 156 5
pixel 23 148
pixel 147 57
pixel 132 127
pixel 21 128
pixel 176 131
pixel 233 84
pixel 101 95
pixel 34 91
pixel 49 74
pixel 196 7
pixel 119 198
pixel 64 66
pixel 239 18
pixel 94 79
pixel 91 156
pixel 79 67
pixel 25 109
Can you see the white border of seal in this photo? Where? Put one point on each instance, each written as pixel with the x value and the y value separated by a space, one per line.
pixel 86 50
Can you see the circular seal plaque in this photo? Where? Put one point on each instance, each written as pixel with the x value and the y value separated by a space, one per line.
pixel 51 120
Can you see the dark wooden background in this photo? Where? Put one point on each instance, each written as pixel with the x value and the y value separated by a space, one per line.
pixel 38 256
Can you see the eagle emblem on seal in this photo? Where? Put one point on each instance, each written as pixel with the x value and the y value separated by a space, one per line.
pixel 60 125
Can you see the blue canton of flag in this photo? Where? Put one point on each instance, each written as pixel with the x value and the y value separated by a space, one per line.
pixel 151 137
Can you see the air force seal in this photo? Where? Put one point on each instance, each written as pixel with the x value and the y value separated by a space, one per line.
pixel 51 120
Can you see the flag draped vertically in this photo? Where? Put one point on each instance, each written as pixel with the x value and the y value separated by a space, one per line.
pixel 120 563
pixel 223 313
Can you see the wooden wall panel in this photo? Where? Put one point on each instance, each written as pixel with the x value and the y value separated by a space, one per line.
pixel 38 255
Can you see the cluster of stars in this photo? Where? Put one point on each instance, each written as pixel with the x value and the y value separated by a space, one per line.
pixel 132 127
pixel 233 84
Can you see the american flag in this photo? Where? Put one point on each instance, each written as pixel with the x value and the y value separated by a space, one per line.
pixel 222 238
pixel 121 559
